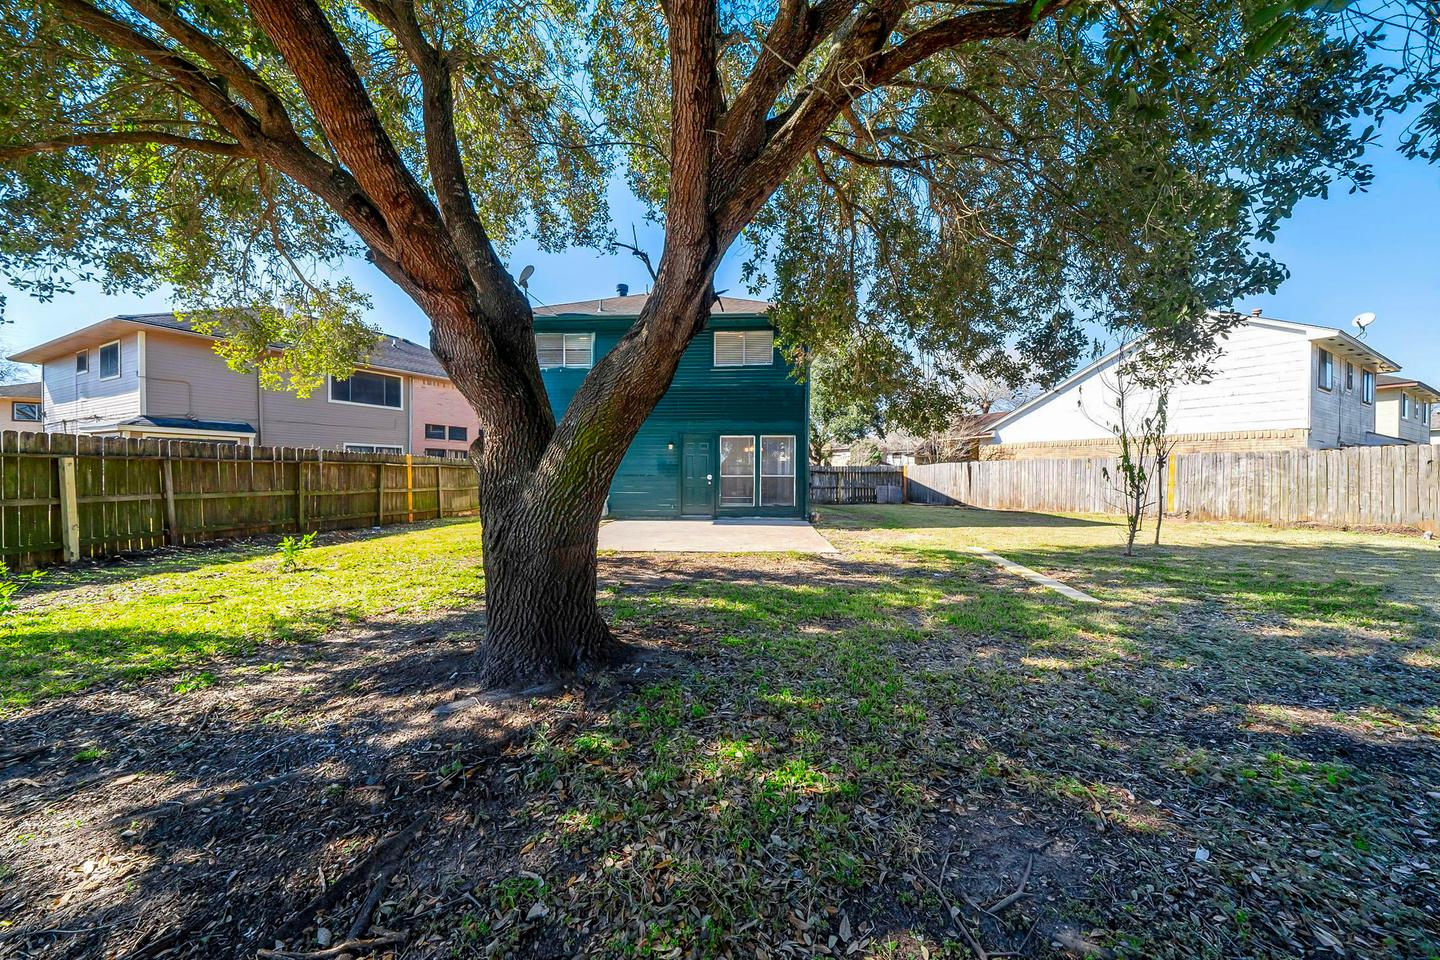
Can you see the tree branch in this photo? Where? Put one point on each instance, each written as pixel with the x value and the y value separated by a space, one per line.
pixel 14 151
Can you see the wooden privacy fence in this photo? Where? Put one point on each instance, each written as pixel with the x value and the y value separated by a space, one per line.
pixel 855 484
pixel 65 498
pixel 1389 486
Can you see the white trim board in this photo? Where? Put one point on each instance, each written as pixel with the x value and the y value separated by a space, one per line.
pixel 1019 570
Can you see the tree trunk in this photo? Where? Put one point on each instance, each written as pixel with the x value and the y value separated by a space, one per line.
pixel 542 622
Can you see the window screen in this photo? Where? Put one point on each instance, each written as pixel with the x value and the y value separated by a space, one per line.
pixel 744 348
pixel 1325 371
pixel 737 471
pixel 576 350
pixel 109 361
pixel 82 362
pixel 777 471
pixel 371 389
pixel 434 431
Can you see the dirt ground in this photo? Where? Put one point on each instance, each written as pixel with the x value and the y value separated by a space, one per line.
pixel 353 796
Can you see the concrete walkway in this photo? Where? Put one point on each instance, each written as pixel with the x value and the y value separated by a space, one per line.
pixel 712 536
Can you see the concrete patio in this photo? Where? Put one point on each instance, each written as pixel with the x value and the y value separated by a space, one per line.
pixel 712 536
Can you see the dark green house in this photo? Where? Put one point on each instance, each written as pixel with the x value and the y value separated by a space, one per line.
pixel 729 437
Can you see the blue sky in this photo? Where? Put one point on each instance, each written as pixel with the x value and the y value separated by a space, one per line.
pixel 1377 251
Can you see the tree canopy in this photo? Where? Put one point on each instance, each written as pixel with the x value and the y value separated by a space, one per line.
pixel 927 186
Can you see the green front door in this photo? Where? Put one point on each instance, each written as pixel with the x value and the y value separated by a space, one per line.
pixel 697 478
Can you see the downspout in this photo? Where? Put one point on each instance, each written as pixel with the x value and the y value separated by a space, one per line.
pixel 259 411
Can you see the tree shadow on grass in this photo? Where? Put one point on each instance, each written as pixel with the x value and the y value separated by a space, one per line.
pixel 808 734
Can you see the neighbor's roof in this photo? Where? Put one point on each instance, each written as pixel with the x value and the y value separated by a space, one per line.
pixel 390 353
pixel 630 306
pixel 1333 337
pixel 1385 381
pixel 21 391
pixel 190 423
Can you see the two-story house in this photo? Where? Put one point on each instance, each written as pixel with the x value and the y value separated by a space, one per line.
pixel 1276 385
pixel 729 437
pixel 1403 407
pixel 151 375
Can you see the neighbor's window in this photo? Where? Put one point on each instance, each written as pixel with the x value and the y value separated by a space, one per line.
pixel 1367 387
pixel 1325 376
pixel 110 361
pixel 435 452
pixel 1423 412
pixel 460 454
pixel 737 471
pixel 371 448
pixel 434 431
pixel 777 471
pixel 1404 406
pixel 744 348
pixel 573 350
pixel 82 361
pixel 369 389
pixel 460 433
pixel 1349 376
pixel 22 410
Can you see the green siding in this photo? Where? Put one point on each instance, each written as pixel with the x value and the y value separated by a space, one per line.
pixel 702 400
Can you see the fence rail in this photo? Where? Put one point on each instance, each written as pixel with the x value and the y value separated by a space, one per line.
pixel 65 498
pixel 1390 486
pixel 855 484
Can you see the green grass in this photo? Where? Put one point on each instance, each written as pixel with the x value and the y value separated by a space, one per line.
pixel 94 626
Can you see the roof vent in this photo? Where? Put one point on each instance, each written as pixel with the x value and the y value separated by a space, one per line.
pixel 1255 312
pixel 622 289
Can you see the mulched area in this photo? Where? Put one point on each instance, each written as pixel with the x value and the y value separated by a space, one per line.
pixel 351 797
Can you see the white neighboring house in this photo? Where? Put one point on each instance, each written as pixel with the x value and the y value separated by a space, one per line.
pixel 1404 408
pixel 1277 384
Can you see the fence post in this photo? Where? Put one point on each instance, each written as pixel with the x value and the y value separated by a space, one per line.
pixel 439 493
pixel 167 487
pixel 299 496
pixel 380 494
pixel 69 509
pixel 409 488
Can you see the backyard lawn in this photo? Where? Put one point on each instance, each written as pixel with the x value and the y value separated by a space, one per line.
pixel 895 751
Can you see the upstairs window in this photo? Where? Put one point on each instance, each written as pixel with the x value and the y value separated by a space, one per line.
pixel 434 431
pixel 460 434
pixel 110 361
pixel 744 348
pixel 82 361
pixel 1367 387
pixel 367 389
pixel 565 350
pixel 1349 377
pixel 24 410
pixel 1405 406
pixel 1325 371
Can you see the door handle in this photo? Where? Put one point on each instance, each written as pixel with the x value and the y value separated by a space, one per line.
pixel 709 478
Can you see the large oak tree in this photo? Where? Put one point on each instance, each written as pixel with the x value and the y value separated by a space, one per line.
pixel 925 185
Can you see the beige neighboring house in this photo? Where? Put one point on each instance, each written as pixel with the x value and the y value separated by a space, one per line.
pixel 1404 408
pixel 151 375
pixel 1277 385
pixel 20 407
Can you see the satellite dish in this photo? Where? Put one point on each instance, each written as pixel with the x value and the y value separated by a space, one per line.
pixel 1362 321
pixel 525 276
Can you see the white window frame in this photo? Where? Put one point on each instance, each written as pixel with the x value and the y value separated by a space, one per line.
pixel 387 448
pixel 39 411
pixel 82 356
pixel 760 460
pixel 720 467
pixel 330 392
pixel 745 349
pixel 569 341
pixel 1325 370
pixel 100 362
pixel 1367 387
